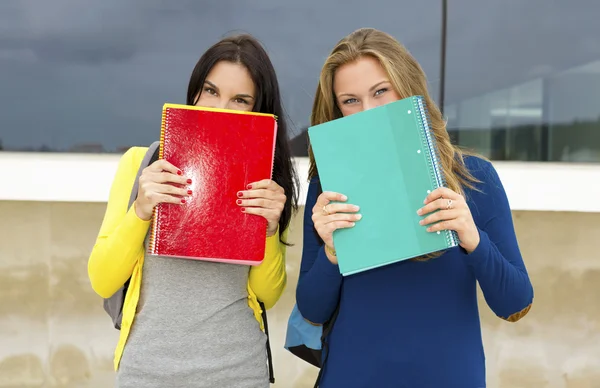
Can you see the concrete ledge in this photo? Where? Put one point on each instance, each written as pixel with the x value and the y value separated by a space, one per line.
pixel 67 177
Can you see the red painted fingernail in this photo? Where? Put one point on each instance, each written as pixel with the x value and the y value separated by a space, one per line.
pixel 243 210
pixel 240 194
pixel 179 172
pixel 249 187
pixel 239 201
pixel 189 181
pixel 189 192
pixel 182 200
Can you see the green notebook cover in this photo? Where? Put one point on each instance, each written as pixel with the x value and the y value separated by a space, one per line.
pixel 384 160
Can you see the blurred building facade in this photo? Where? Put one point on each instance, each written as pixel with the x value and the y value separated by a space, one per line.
pixel 522 85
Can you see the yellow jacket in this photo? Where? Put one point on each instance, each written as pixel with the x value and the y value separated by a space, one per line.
pixel 119 253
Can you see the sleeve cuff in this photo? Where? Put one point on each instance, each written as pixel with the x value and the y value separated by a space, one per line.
pixel 136 227
pixel 478 256
pixel 324 266
pixel 272 244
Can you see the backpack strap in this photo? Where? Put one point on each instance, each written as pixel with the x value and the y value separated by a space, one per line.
pixel 269 355
pixel 114 304
pixel 150 157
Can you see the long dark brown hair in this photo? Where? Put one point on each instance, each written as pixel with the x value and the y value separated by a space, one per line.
pixel 245 50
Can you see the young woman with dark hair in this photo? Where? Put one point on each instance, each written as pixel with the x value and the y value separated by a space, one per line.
pixel 188 323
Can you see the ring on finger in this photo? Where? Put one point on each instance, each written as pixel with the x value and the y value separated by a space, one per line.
pixel 449 205
pixel 325 211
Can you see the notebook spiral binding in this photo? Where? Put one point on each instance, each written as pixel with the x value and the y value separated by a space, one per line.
pixel 155 225
pixel 432 155
pixel 275 147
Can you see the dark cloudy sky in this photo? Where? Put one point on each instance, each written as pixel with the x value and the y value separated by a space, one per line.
pixel 98 71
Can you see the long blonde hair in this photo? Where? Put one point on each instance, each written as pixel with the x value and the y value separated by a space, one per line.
pixel 407 78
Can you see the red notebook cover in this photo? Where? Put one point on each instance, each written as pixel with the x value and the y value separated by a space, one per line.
pixel 221 151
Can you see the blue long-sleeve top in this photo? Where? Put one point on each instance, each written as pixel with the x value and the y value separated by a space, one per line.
pixel 415 324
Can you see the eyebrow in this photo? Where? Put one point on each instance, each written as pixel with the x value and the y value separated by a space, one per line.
pixel 212 85
pixel 371 89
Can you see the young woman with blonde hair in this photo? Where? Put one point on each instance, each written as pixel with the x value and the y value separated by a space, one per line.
pixel 413 323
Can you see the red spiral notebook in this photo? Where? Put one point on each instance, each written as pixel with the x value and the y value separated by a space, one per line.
pixel 221 151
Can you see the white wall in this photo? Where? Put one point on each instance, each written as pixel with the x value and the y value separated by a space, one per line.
pixel 87 178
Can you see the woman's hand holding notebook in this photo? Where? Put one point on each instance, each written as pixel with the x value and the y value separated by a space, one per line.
pixel 266 199
pixel 160 182
pixel 221 152
pixel 329 215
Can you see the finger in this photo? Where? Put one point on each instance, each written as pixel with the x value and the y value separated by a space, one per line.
pixel 163 165
pixel 341 217
pixel 156 198
pixel 445 225
pixel 328 196
pixel 333 208
pixel 261 202
pixel 265 184
pixel 322 221
pixel 164 177
pixel 269 214
pixel 169 189
pixel 442 215
pixel 440 203
pixel 260 193
pixel 333 226
pixel 150 191
pixel 441 192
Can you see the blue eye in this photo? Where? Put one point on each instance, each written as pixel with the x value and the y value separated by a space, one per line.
pixel 349 101
pixel 381 91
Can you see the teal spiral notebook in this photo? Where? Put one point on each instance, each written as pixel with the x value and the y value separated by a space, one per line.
pixel 384 160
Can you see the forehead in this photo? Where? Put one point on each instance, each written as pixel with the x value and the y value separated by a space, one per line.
pixel 358 76
pixel 231 77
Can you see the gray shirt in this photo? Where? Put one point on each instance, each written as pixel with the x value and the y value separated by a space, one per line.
pixel 193 328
